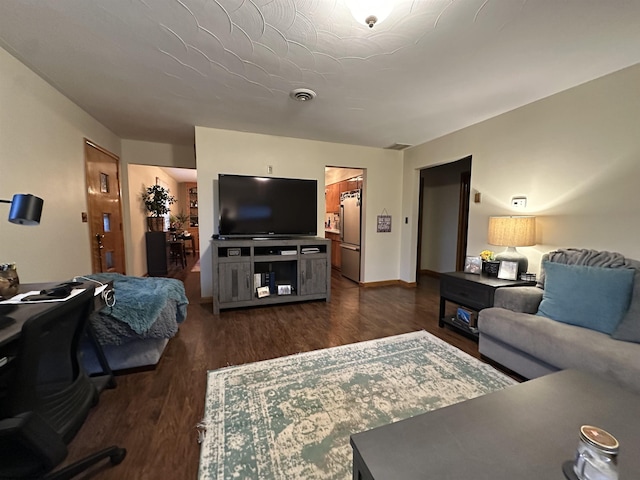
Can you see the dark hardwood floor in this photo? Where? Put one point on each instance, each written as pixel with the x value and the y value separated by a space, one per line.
pixel 154 413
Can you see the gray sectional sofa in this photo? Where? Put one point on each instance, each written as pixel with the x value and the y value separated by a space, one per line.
pixel 582 315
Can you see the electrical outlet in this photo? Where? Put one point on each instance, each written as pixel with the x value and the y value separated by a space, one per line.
pixel 519 202
pixel 269 169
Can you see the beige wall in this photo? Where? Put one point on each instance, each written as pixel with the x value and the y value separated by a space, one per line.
pixel 224 151
pixel 575 155
pixel 42 152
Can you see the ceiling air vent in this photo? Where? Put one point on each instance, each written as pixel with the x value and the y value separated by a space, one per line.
pixel 397 146
pixel 302 94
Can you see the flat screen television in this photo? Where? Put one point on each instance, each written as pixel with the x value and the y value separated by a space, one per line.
pixel 267 206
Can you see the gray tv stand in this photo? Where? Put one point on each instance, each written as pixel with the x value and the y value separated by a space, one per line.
pixel 241 265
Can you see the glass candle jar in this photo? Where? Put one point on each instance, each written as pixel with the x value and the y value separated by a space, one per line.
pixel 597 455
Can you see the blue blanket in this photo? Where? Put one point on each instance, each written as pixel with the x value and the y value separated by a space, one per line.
pixel 139 300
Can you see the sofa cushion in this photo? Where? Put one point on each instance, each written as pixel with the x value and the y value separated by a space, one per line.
pixel 592 297
pixel 564 346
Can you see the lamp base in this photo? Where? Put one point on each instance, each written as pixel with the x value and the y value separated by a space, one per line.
pixel 512 255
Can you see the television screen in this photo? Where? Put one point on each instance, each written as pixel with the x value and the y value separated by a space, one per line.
pixel 267 206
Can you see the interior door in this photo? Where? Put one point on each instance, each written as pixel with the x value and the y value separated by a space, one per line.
pixel 105 212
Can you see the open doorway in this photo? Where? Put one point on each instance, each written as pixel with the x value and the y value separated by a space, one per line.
pixel 183 217
pixel 344 195
pixel 443 217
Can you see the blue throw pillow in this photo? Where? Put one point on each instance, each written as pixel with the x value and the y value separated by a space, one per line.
pixel 590 297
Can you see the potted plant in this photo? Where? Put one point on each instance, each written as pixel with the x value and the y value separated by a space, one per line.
pixel 157 200
pixel 181 219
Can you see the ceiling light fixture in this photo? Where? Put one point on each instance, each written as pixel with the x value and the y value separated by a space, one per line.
pixel 370 12
pixel 302 94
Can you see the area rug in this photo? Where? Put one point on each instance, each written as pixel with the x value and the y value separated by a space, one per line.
pixel 291 417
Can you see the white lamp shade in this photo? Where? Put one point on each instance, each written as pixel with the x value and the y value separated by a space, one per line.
pixel 363 9
pixel 512 231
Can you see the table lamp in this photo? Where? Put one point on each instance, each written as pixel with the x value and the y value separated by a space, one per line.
pixel 512 232
pixel 25 209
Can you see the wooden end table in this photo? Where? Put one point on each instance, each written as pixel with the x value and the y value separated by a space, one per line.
pixel 471 291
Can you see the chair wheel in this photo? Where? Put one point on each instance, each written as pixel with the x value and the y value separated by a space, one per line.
pixel 118 456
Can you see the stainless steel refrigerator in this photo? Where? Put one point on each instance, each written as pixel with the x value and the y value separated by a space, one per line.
pixel 350 234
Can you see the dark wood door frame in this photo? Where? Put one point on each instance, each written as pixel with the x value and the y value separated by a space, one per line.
pixel 420 216
pixel 463 219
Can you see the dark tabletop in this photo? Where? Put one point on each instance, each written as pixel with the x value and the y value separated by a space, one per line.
pixel 14 315
pixel 522 432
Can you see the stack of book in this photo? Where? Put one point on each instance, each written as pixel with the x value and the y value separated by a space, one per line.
pixel 266 279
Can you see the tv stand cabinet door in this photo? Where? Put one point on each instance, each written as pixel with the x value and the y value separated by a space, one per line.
pixel 234 282
pixel 313 276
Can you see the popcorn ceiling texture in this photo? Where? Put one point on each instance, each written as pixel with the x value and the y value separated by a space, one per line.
pixel 152 69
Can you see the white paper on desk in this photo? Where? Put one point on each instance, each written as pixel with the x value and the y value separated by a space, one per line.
pixel 18 298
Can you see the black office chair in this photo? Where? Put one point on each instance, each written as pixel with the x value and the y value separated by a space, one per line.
pixel 48 396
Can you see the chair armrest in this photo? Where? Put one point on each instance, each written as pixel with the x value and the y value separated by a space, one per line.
pixel 518 299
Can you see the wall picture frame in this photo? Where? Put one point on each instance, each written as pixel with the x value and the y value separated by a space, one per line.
pixel 473 265
pixel 508 270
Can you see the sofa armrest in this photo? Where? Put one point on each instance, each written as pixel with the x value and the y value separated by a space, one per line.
pixel 518 299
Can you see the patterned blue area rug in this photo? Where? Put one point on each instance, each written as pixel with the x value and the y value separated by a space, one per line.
pixel 291 417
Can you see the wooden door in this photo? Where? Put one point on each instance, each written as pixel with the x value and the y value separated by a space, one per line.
pixel 105 212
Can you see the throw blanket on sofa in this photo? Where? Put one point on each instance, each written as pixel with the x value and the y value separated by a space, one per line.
pixel 591 258
pixel 139 301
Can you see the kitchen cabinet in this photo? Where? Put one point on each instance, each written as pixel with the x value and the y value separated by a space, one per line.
pixel 332 198
pixel 348 185
pixel 336 261
pixel 332 193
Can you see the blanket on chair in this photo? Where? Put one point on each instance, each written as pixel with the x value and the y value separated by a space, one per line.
pixel 139 300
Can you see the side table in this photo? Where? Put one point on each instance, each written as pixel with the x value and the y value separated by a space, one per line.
pixel 472 291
